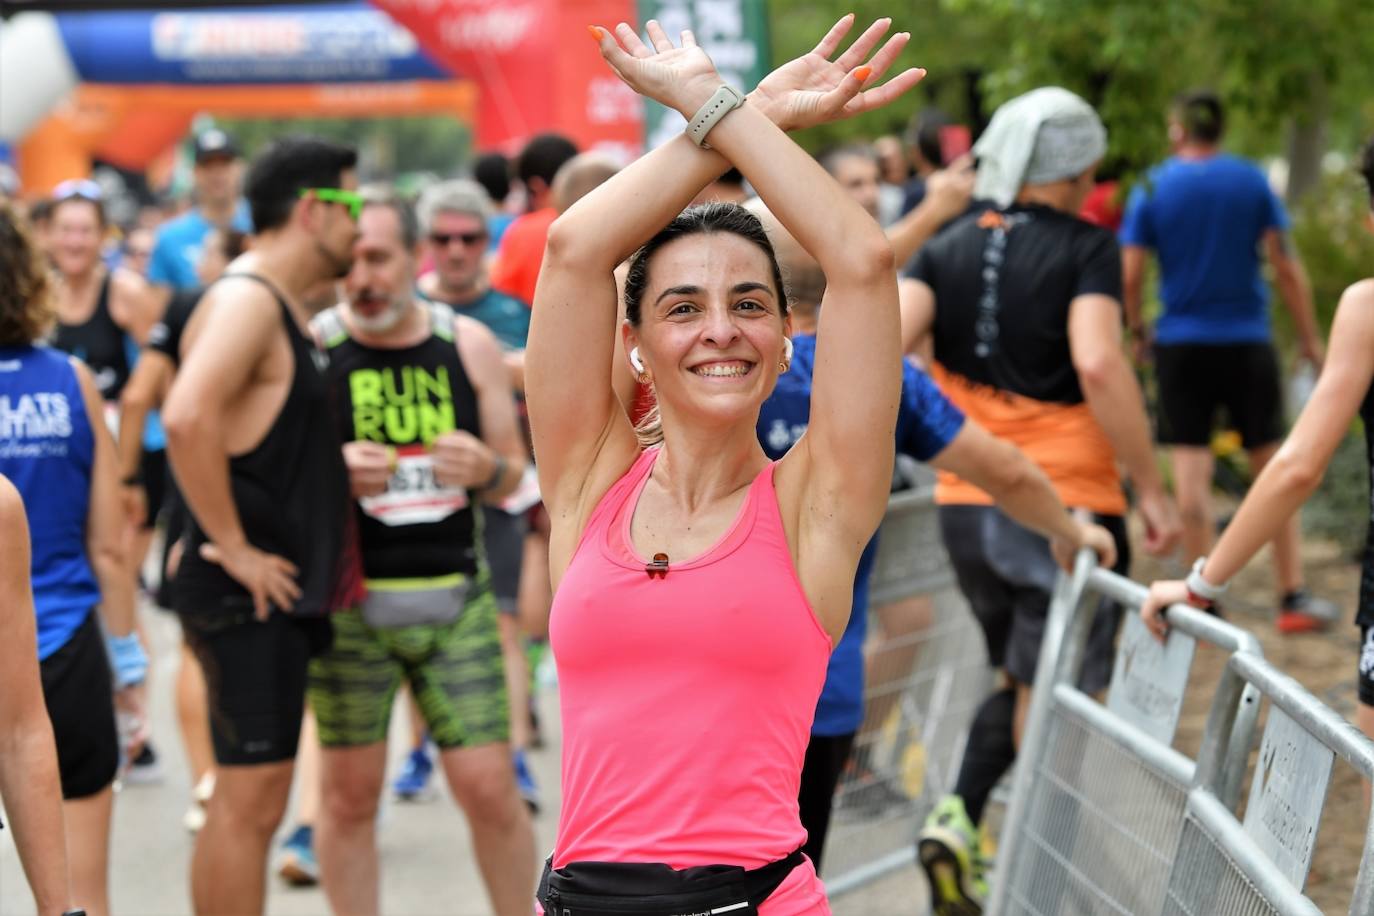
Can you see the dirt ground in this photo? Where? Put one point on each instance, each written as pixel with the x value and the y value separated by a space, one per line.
pixel 1325 664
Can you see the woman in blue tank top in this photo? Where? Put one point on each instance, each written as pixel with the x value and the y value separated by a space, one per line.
pixel 61 459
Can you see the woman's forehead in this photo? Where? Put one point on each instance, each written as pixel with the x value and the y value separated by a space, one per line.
pixel 709 259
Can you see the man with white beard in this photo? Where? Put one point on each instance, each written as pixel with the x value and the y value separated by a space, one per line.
pixel 429 430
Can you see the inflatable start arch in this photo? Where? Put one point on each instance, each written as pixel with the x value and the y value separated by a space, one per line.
pixel 509 66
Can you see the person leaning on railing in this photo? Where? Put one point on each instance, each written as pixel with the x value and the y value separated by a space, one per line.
pixel 1345 388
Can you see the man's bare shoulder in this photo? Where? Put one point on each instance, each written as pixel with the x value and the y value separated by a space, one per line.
pixel 235 313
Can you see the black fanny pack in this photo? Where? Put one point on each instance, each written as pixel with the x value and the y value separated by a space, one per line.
pixel 654 889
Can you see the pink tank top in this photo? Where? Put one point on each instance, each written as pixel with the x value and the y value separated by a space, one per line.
pixel 687 699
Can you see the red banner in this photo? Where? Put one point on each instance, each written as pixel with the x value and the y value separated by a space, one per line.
pixel 534 65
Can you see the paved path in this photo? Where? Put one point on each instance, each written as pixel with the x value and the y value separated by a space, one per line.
pixel 427 865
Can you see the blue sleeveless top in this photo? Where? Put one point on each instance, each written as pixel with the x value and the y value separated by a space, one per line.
pixel 48 450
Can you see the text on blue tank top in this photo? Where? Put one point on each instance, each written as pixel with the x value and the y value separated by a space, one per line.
pixel 47 449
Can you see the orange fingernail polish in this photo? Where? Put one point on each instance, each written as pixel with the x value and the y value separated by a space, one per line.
pixel 595 33
pixel 861 73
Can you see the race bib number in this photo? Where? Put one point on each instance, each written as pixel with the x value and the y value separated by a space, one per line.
pixel 413 496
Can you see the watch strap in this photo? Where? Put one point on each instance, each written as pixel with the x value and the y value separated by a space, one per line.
pixel 723 101
pixel 1199 586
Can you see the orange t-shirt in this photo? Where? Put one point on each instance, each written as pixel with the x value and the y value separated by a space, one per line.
pixel 516 268
pixel 1064 440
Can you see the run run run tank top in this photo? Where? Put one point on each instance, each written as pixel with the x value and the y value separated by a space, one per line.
pixel 407 397
pixel 687 698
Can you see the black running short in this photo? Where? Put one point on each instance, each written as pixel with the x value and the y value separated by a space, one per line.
pixel 155 482
pixel 255 673
pixel 503 536
pixel 1366 665
pixel 77 686
pixel 1007 574
pixel 1195 380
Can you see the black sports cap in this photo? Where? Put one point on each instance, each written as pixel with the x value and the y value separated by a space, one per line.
pixel 214 143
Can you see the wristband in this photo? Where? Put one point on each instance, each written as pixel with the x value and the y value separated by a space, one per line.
pixel 497 473
pixel 130 661
pixel 725 100
pixel 1199 587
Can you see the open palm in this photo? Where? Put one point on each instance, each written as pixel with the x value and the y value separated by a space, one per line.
pixel 680 78
pixel 813 89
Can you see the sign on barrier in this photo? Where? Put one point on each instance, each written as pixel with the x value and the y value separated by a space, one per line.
pixel 1152 831
pixel 1287 795
pixel 1149 679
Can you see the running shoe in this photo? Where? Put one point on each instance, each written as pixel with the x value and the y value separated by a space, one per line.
pixel 950 852
pixel 525 780
pixel 296 862
pixel 145 769
pixel 1303 612
pixel 413 781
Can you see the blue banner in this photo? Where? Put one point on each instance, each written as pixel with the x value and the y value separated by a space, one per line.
pixel 337 43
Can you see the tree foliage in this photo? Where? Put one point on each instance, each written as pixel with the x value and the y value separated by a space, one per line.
pixel 1273 61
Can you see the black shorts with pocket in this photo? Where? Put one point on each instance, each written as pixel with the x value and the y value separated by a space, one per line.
pixel 255 675
pixel 1196 379
pixel 79 691
pixel 1007 573
pixel 503 537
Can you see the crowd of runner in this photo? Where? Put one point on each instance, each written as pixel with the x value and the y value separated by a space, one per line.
pixel 312 395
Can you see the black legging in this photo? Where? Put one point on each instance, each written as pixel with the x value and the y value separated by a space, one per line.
pixel 825 760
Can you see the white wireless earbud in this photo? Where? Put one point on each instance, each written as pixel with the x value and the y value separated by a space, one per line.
pixel 636 361
pixel 787 349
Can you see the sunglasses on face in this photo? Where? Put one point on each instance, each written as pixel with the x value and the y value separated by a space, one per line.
pixel 350 199
pixel 469 239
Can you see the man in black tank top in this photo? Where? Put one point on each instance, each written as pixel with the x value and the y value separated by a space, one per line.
pixel 268 549
pixel 430 435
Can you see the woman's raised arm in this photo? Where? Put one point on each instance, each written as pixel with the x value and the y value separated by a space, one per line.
pixel 849 447
pixel 572 406
pixel 574 415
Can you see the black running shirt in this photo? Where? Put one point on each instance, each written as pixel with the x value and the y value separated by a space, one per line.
pixel 1003 281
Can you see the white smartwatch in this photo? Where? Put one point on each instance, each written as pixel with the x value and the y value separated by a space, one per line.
pixel 1199 586
pixel 723 101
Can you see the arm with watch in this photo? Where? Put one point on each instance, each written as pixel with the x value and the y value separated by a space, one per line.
pixel 490 466
pixel 1296 469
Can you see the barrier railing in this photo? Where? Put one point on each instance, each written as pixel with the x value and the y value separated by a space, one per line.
pixel 927 672
pixel 1107 817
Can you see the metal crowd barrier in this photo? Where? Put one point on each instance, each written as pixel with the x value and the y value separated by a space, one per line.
pixel 927 672
pixel 1107 817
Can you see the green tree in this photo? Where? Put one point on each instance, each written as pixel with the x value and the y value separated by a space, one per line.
pixel 1286 68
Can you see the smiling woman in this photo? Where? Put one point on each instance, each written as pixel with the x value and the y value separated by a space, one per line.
pixel 700 586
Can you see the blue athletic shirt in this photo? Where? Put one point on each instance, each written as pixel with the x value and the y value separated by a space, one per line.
pixel 47 449
pixel 926 424
pixel 179 243
pixel 1205 218
pixel 506 316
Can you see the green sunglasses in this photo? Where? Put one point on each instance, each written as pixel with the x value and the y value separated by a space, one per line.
pixel 351 199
